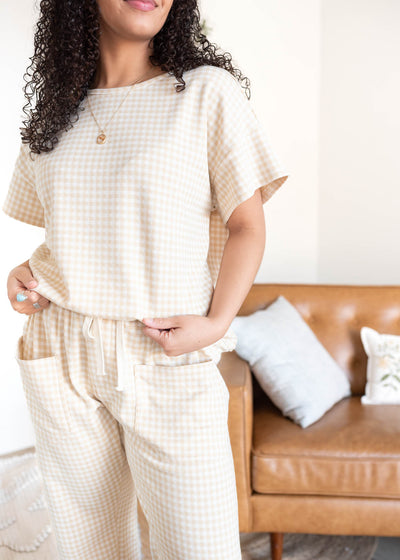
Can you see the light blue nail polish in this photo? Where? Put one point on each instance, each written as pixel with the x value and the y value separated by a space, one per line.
pixel 21 297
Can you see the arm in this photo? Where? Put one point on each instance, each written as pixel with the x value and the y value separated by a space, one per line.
pixel 240 262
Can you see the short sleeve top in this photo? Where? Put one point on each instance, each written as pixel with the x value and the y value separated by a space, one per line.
pixel 136 227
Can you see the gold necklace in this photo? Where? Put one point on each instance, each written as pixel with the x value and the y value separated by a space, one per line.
pixel 101 138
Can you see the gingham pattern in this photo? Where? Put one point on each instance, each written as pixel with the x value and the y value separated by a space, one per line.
pixel 164 441
pixel 136 227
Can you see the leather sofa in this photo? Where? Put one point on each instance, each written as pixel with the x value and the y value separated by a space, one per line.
pixel 340 475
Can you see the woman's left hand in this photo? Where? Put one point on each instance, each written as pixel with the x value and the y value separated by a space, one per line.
pixel 183 333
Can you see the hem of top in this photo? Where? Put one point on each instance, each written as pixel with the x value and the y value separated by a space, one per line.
pixel 126 318
pixel 16 216
pixel 268 189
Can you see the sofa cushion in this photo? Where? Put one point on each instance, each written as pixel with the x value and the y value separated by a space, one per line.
pixel 383 369
pixel 291 365
pixel 353 450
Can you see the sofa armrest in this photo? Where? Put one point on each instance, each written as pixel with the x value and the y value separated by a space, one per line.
pixel 237 376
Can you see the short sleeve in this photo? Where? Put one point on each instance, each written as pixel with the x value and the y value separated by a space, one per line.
pixel 240 157
pixel 22 202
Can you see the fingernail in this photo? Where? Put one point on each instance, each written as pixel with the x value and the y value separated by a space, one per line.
pixel 32 283
pixel 21 297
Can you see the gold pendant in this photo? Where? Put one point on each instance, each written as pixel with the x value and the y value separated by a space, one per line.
pixel 101 138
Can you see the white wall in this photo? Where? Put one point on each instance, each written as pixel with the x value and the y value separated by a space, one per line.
pixel 19 239
pixel 325 83
pixel 277 46
pixel 359 189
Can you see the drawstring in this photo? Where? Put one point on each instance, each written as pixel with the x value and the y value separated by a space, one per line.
pixel 123 365
pixel 99 347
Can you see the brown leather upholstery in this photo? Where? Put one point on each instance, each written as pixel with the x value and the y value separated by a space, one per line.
pixel 341 475
pixel 340 455
pixel 237 375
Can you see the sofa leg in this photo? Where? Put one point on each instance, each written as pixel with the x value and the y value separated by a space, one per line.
pixel 276 542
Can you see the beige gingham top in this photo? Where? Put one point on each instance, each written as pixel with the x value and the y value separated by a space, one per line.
pixel 136 227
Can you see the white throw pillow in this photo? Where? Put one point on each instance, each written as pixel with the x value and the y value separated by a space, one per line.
pixel 383 367
pixel 293 368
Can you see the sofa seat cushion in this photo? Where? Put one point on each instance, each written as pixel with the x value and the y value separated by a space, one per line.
pixel 353 450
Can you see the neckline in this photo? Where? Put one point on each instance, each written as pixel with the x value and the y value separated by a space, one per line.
pixel 121 89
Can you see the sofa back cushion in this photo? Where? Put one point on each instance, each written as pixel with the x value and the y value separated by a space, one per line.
pixel 336 314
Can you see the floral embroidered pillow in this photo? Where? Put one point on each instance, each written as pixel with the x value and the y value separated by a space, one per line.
pixel 383 368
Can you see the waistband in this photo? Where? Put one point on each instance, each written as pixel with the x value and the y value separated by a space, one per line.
pixel 91 330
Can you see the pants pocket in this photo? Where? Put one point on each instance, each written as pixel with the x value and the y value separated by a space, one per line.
pixel 185 404
pixel 41 380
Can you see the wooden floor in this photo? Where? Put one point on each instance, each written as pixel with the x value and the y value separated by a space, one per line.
pixel 388 549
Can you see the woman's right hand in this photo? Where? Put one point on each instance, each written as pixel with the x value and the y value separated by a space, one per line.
pixel 20 280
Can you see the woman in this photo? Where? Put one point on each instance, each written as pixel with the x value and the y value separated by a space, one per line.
pixel 152 202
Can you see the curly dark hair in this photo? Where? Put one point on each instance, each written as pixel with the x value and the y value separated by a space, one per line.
pixel 66 51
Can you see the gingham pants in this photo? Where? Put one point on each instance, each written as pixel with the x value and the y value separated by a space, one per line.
pixel 116 420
